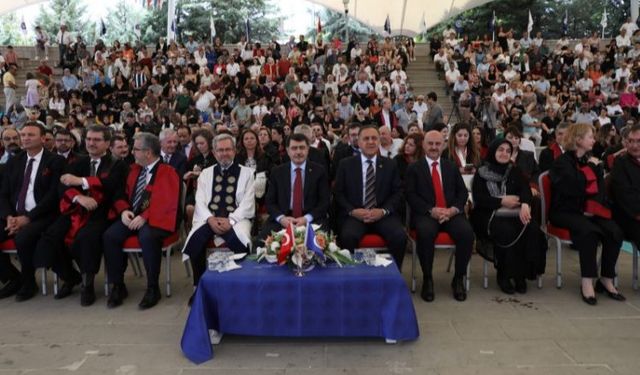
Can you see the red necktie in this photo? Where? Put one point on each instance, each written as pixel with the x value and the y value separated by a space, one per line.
pixel 437 186
pixel 296 209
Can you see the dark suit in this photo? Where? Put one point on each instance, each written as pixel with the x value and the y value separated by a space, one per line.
pixel 421 198
pixel 179 162
pixel 349 196
pixel 77 228
pixel 45 193
pixel 342 151
pixel 625 192
pixel 279 196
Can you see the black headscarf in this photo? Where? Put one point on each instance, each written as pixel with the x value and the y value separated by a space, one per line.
pixel 496 174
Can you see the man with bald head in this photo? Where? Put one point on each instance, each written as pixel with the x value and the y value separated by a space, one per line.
pixel 436 194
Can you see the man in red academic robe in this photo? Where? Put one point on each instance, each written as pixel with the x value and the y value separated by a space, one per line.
pixel 150 209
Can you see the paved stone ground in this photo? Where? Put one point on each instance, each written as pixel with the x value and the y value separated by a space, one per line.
pixel 546 331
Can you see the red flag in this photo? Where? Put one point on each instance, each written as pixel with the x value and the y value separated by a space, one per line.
pixel 319 28
pixel 288 241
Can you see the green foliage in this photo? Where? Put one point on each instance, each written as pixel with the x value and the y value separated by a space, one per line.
pixel 229 17
pixel 10 32
pixel 121 22
pixel 70 12
pixel 584 17
pixel 334 24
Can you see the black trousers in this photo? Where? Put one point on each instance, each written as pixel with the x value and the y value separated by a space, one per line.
pixel 586 233
pixel 459 229
pixel 26 240
pixel 390 228
pixel 86 248
pixel 150 239
pixel 196 248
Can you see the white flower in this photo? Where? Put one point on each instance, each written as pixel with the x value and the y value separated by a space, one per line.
pixel 333 247
pixel 275 246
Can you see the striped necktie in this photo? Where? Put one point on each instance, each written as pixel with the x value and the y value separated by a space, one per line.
pixel 141 183
pixel 370 186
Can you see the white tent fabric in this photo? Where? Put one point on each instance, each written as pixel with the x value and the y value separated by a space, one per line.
pixel 405 15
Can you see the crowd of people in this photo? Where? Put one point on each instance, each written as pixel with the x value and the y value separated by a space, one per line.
pixel 234 143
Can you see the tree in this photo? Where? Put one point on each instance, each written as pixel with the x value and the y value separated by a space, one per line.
pixel 584 17
pixel 121 22
pixel 70 12
pixel 229 16
pixel 335 24
pixel 10 31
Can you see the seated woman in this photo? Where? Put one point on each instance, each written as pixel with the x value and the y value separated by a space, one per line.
pixel 502 215
pixel 410 152
pixel 462 149
pixel 577 204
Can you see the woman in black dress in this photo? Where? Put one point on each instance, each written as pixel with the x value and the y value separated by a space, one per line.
pixel 502 215
pixel 578 204
pixel 202 140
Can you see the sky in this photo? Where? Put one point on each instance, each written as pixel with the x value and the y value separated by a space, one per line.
pixel 291 9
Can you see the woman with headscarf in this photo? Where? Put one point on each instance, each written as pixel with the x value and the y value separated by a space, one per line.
pixel 502 215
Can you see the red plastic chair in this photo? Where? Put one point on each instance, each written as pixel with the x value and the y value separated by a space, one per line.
pixel 443 242
pixel 9 247
pixel 561 236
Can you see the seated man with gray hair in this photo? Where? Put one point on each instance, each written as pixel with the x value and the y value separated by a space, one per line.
pixel 225 206
pixel 149 207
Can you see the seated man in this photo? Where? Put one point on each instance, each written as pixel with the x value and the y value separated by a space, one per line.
pixel 625 186
pixel 437 195
pixel 90 185
pixel 368 196
pixel 28 205
pixel 298 191
pixel 149 207
pixel 225 206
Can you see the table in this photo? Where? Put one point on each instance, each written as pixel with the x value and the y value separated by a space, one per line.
pixel 269 300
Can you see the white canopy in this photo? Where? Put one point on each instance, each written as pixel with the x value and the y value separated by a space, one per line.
pixel 405 15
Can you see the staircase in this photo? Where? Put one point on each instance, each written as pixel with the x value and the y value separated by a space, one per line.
pixel 30 65
pixel 423 78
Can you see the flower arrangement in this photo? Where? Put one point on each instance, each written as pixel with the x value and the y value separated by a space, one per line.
pixel 302 248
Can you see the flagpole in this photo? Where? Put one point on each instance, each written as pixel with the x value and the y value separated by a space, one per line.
pixel 493 27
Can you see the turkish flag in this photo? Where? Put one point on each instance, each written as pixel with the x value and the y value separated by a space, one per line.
pixel 288 241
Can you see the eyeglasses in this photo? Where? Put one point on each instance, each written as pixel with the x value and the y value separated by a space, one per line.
pixel 139 149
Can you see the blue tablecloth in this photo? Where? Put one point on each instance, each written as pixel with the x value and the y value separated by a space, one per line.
pixel 268 300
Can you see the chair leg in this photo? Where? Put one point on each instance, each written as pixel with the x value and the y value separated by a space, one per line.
pixel 450 261
pixel 168 270
pixel 467 282
pixel 634 276
pixel 539 281
pixel 43 281
pixel 55 283
pixel 413 266
pixel 558 263
pixel 485 273
pixel 187 268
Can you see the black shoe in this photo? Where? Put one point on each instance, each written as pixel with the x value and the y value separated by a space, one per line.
pixel 457 285
pixel 521 286
pixel 588 300
pixel 10 288
pixel 505 286
pixel 427 289
pixel 118 294
pixel 67 288
pixel 150 299
pixel 601 289
pixel 26 292
pixel 87 295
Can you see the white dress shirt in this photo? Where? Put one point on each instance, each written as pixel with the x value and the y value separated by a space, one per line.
pixel 30 200
pixel 365 165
